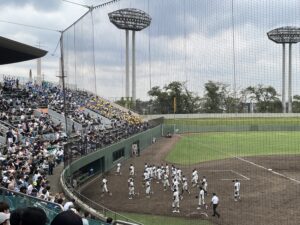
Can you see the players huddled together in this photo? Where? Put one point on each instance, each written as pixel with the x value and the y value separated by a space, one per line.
pixel 172 178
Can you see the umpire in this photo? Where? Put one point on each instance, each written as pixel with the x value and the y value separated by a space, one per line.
pixel 215 202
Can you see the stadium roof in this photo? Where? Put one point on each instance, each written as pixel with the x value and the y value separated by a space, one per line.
pixel 13 51
pixel 130 19
pixel 285 35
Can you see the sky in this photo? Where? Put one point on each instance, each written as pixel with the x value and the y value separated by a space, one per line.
pixel 188 40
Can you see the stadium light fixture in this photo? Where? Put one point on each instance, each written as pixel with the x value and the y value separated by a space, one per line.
pixel 286 35
pixel 134 20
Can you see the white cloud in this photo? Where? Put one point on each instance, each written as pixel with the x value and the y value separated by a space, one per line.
pixel 197 47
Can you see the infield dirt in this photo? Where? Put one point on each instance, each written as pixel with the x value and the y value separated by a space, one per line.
pixel 266 198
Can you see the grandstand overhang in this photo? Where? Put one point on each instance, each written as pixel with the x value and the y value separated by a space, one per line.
pixel 13 51
pixel 130 19
pixel 285 35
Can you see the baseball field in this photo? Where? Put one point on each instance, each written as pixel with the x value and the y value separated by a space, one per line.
pixel 266 162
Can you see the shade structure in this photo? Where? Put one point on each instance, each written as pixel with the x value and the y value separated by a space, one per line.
pixel 13 51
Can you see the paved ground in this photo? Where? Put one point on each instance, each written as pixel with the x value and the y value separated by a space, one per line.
pixel 267 197
pixel 54 179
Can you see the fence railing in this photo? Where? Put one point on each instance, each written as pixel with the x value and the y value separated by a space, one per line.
pixel 95 209
pixel 19 200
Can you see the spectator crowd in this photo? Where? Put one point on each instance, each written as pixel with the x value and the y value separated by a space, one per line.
pixel 34 141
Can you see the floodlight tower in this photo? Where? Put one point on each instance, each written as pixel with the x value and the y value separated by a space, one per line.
pixel 286 35
pixel 134 20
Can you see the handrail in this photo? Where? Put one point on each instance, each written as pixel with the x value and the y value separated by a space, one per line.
pixel 107 209
pixel 32 197
pixel 92 211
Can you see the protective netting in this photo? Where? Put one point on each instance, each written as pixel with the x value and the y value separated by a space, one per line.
pixel 204 57
pixel 188 41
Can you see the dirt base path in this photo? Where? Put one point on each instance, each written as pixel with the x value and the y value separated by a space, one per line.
pixel 266 198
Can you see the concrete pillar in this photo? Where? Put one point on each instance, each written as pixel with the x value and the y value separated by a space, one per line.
pixel 290 78
pixel 133 69
pixel 283 79
pixel 127 66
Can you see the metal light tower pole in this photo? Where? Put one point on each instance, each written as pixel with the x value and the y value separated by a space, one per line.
pixel 283 79
pixel 134 20
pixel 286 35
pixel 133 69
pixel 127 67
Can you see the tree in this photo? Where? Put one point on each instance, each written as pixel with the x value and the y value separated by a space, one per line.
pixel 163 99
pixel 266 98
pixel 296 104
pixel 218 98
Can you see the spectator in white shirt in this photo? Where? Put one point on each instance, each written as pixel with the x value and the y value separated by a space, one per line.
pixel 69 204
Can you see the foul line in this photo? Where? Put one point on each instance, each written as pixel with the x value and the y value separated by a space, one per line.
pixel 232 171
pixel 247 178
pixel 274 172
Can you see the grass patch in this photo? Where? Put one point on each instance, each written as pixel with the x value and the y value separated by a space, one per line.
pixel 195 148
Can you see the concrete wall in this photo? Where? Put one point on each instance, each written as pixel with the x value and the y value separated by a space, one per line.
pixel 144 139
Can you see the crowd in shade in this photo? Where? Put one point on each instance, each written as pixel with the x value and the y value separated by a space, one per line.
pixel 34 141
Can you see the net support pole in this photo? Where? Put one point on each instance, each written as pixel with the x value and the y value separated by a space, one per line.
pixel 133 69
pixel 127 66
pixel 283 79
pixel 290 78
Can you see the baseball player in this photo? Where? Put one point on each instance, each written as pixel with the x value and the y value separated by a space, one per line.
pixel 175 185
pixel 159 172
pixel 195 178
pixel 175 203
pixel 167 169
pixel 204 184
pixel 201 198
pixel 104 187
pixel 131 170
pixel 236 186
pixel 118 171
pixel 184 185
pixel 166 181
pixel 131 188
pixel 148 189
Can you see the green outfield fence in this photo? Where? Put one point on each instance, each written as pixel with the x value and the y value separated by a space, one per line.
pixel 102 161
pixel 185 128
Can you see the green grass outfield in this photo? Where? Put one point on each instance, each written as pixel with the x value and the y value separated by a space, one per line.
pixel 200 147
pixel 164 220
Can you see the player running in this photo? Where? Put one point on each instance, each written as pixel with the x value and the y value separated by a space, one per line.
pixel 104 187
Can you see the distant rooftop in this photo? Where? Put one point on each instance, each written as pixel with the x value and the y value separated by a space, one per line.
pixel 130 19
pixel 286 34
